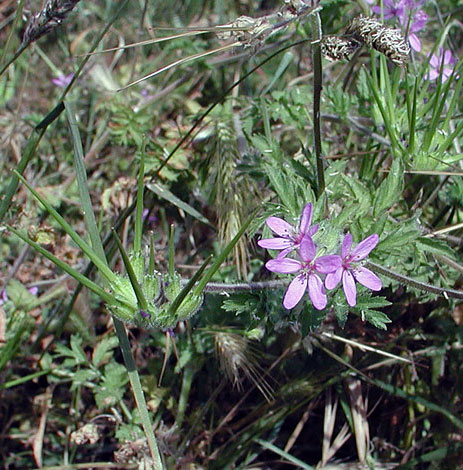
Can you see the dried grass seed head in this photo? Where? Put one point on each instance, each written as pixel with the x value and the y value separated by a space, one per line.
pixel 386 40
pixel 339 47
pixel 53 14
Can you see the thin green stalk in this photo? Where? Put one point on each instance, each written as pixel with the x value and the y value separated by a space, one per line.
pixel 16 20
pixel 188 287
pixel 84 246
pixel 92 228
pixel 66 268
pixel 138 393
pixel 142 303
pixel 317 92
pixel 188 374
pixel 82 183
pixel 139 207
pixel 171 267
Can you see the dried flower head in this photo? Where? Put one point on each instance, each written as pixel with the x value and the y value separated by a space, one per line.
pixel 250 32
pixel 339 47
pixel 236 356
pixel 384 39
pixel 53 14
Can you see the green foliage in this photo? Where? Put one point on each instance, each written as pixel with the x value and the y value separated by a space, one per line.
pixel 380 126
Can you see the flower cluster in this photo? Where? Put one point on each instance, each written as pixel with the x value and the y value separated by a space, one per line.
pixel 309 268
pixel 409 15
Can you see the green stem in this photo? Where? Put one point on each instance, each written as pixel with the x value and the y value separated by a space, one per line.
pixel 456 294
pixel 138 393
pixel 188 375
pixel 22 48
pixel 317 92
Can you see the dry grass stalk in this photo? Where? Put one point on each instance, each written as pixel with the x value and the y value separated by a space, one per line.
pixel 53 14
pixel 329 447
pixel 359 407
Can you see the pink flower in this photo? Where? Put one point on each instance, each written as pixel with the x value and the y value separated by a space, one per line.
pixel 307 279
pixel 444 61
pixel 289 238
pixel 350 272
pixel 62 81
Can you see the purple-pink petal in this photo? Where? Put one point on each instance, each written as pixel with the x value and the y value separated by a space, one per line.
pixel 275 243
pixel 333 279
pixel 295 291
pixel 367 278
pixel 419 21
pixel 306 219
pixel 307 249
pixel 448 58
pixel 317 292
pixel 348 285
pixel 363 249
pixel 313 230
pixel 415 43
pixel 327 264
pixel 346 245
pixel 283 265
pixel 280 227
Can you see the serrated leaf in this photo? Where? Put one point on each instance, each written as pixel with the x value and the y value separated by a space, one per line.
pixel 397 239
pixel 240 304
pixel 76 347
pixel 368 301
pixel 437 247
pixel 390 190
pixel 103 350
pixel 82 376
pixel 377 319
pixel 115 374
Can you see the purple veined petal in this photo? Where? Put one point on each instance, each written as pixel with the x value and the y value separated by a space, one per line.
pixel 317 292
pixel 306 219
pixel 348 285
pixel 307 249
pixel 295 291
pixel 333 279
pixel 346 246
pixel 280 227
pixel 367 278
pixel 283 265
pixel 327 264
pixel 275 243
pixel 362 250
pixel 415 43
